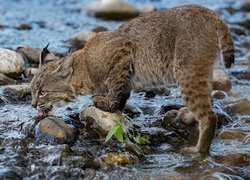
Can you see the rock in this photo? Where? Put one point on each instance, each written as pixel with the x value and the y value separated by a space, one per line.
pixel 17 92
pixel 79 39
pixel 134 148
pixel 115 158
pixel 131 110
pixel 5 80
pixel 100 120
pixel 220 80
pixel 237 159
pixel 54 130
pixel 217 94
pixel 241 72
pixel 232 134
pixel 152 92
pixel 185 116
pixel 169 118
pixel 112 10
pixel 99 29
pixel 11 63
pixel 24 26
pixel 30 54
pixel 30 72
pixel 241 106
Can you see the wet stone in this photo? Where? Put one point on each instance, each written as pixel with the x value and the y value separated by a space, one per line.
pixel 24 26
pixel 169 118
pixel 237 159
pixel 241 106
pixel 5 80
pixel 232 134
pixel 220 80
pixel 133 148
pixel 131 110
pixel 17 92
pixel 112 10
pixel 152 92
pixel 185 116
pixel 54 130
pixel 11 63
pixel 115 158
pixel 99 120
pixel 219 94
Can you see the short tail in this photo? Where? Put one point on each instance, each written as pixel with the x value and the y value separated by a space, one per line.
pixel 226 44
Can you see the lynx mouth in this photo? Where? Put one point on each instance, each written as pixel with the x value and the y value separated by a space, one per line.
pixel 44 112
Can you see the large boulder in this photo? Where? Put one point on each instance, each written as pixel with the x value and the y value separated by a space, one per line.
pixel 220 80
pixel 54 130
pixel 112 9
pixel 11 63
pixel 101 121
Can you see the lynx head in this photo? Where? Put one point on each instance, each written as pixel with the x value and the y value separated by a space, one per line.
pixel 51 85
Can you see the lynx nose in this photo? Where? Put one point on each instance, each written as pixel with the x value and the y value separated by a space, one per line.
pixel 34 104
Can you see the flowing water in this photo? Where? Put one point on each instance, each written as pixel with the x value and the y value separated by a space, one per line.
pixel 22 156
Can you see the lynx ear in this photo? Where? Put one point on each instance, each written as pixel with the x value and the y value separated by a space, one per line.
pixel 65 68
pixel 46 55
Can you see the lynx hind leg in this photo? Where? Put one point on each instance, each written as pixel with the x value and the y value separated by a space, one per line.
pixel 197 94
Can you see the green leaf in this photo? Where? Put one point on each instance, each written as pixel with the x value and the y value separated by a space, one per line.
pixel 144 141
pixel 112 131
pixel 119 134
pixel 137 139
pixel 121 119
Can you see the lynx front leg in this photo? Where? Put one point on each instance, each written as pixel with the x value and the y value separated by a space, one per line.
pixel 119 87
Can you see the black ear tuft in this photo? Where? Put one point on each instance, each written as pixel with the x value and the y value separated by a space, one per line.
pixel 44 52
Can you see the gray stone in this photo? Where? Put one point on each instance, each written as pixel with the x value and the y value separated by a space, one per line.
pixel 30 54
pixel 217 94
pixel 112 9
pixel 241 106
pixel 54 130
pixel 220 80
pixel 169 118
pixel 115 158
pixel 100 120
pixel 5 80
pixel 134 148
pixel 186 116
pixel 11 63
pixel 17 92
pixel 79 39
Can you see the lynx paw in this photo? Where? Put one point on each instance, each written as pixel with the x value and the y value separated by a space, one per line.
pixel 104 104
pixel 191 149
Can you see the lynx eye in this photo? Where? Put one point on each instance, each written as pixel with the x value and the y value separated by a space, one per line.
pixel 42 93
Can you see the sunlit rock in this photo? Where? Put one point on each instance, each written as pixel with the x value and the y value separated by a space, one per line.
pixel 241 106
pixel 11 63
pixel 220 80
pixel 17 92
pixel 5 80
pixel 232 134
pixel 54 130
pixel 112 9
pixel 115 158
pixel 100 120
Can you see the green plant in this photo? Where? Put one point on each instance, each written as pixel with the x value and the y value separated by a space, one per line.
pixel 121 132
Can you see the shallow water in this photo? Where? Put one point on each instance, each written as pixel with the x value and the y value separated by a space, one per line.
pixel 21 156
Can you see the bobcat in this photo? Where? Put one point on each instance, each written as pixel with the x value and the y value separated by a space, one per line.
pixel 178 44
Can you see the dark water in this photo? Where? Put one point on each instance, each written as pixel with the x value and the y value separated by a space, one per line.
pixel 21 156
